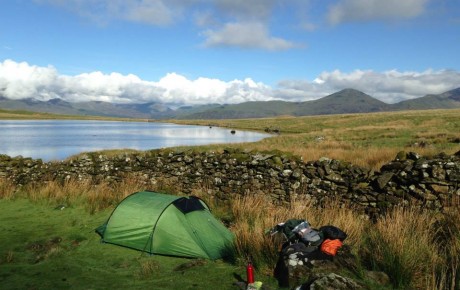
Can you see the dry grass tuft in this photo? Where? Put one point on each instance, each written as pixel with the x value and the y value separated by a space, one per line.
pixel 7 189
pixel 147 269
pixel 9 257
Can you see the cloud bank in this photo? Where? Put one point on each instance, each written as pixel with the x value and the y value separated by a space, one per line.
pixel 390 86
pixel 20 80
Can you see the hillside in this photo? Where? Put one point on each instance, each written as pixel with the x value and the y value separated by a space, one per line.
pixel 447 100
pixel 342 102
pixel 246 110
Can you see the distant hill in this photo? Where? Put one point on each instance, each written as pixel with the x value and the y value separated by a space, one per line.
pixel 346 101
pixel 342 102
pixel 447 100
pixel 245 110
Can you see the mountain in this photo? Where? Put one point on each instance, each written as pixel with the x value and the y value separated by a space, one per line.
pixel 447 100
pixel 92 108
pixel 245 110
pixel 343 102
pixel 346 101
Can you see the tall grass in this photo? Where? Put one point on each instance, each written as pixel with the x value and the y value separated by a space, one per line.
pixel 95 196
pixel 256 215
pixel 417 249
pixel 7 189
pixel 402 245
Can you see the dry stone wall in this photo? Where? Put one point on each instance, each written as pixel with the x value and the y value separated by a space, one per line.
pixel 409 179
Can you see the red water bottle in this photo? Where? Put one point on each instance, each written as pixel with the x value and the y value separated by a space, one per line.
pixel 250 273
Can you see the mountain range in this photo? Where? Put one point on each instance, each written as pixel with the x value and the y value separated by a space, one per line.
pixel 342 102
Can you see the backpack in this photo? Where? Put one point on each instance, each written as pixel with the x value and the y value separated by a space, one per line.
pixel 333 233
pixel 287 228
pixel 300 230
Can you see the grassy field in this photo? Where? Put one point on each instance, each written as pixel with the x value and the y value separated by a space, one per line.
pixel 368 140
pixel 46 248
pixel 28 115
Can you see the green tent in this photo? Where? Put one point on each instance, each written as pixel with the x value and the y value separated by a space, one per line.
pixel 167 225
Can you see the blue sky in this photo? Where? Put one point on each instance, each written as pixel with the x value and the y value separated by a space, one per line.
pixel 227 51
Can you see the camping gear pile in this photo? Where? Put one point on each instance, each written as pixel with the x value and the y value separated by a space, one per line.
pixel 304 248
pixel 300 236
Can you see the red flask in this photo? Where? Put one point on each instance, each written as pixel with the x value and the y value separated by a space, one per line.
pixel 250 273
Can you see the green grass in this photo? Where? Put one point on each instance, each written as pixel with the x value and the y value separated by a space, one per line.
pixel 28 115
pixel 45 248
pixel 368 140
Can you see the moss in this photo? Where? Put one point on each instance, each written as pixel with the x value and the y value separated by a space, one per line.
pixel 240 157
pixel 383 204
pixel 277 161
pixel 401 156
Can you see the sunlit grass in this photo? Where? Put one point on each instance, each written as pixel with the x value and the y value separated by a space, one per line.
pixel 417 249
pixel 367 140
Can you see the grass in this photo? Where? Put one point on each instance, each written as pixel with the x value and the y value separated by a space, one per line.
pixel 367 140
pixel 45 248
pixel 28 115
pixel 52 245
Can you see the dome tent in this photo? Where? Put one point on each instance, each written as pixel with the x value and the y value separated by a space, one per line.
pixel 164 224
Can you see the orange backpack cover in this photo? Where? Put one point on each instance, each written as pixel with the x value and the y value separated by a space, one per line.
pixel 330 247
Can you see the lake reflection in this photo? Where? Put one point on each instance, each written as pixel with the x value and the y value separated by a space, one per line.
pixel 59 139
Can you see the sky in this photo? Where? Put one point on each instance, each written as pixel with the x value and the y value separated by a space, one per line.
pixel 191 52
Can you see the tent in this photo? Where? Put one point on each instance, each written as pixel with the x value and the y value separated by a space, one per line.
pixel 167 225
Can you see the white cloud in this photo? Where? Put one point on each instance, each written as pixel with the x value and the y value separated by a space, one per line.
pixel 365 10
pixel 247 35
pixel 225 22
pixel 390 86
pixel 154 12
pixel 21 80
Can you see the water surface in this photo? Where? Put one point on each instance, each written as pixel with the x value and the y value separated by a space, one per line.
pixel 59 139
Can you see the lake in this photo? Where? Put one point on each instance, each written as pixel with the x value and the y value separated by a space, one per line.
pixel 59 139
